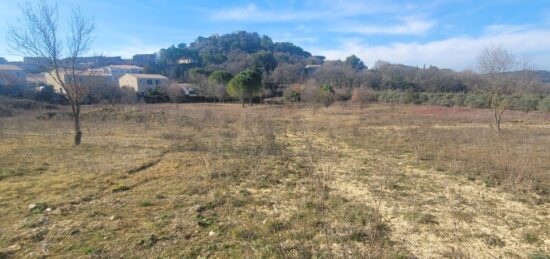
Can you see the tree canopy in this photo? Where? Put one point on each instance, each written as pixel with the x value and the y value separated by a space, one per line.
pixel 245 85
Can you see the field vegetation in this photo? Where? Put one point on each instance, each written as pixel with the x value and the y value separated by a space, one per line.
pixel 357 180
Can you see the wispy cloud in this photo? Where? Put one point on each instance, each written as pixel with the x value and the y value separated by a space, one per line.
pixel 251 12
pixel 407 26
pixel 457 52
pixel 319 10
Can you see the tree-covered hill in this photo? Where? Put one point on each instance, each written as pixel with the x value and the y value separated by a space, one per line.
pixel 233 52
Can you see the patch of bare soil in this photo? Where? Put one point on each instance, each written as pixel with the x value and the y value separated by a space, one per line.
pixel 435 214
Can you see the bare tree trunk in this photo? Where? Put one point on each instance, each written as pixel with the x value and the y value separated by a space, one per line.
pixel 78 132
pixel 242 100
pixel 497 119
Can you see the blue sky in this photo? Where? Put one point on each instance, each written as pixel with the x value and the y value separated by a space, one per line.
pixel 446 33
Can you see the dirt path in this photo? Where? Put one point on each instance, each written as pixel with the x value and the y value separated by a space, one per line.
pixel 435 214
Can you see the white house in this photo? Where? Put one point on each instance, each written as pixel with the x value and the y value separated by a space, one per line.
pixel 143 82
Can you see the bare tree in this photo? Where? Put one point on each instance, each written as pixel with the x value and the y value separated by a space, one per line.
pixel 36 34
pixel 175 92
pixel 363 96
pixel 496 63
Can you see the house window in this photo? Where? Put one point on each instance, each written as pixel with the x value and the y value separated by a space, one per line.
pixel 149 82
pixel 158 82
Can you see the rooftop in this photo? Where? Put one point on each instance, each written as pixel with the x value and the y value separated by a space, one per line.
pixel 125 67
pixel 148 76
pixel 10 67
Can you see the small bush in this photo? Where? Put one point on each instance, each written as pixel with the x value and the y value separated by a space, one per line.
pixel 530 237
pixel 145 203
pixel 544 104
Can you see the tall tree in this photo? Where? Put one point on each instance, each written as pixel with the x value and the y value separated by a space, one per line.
pixel 36 34
pixel 355 63
pixel 245 85
pixel 496 63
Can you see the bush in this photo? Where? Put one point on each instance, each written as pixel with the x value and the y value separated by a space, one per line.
pixel 544 104
pixel 411 97
pixel 342 94
pixel 477 100
pixel 526 103
pixel 292 94
pixel 326 95
pixel 363 96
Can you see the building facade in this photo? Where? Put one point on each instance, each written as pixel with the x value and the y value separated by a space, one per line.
pixel 141 83
pixel 87 79
pixel 12 75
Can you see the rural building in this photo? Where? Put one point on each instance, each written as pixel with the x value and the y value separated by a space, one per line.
pixel 87 78
pixel 12 75
pixel 117 71
pixel 143 82
pixel 37 79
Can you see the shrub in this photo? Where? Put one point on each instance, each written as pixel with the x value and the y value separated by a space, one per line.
pixel 410 97
pixel 342 94
pixel 477 100
pixel 326 95
pixel 526 103
pixel 544 104
pixel 292 94
pixel 363 96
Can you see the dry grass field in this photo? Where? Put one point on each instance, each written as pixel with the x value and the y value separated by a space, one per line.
pixel 204 180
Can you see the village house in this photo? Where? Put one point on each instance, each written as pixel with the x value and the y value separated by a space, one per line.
pixel 117 71
pixel 37 80
pixel 86 78
pixel 12 75
pixel 143 82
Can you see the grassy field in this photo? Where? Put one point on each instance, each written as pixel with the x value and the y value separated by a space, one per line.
pixel 204 180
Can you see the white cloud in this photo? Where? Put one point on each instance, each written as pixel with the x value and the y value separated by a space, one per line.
pixel 408 26
pixel 457 53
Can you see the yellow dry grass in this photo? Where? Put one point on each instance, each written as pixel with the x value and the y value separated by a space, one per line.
pixel 203 180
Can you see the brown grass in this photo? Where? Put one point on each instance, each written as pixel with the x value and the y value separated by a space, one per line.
pixel 203 180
